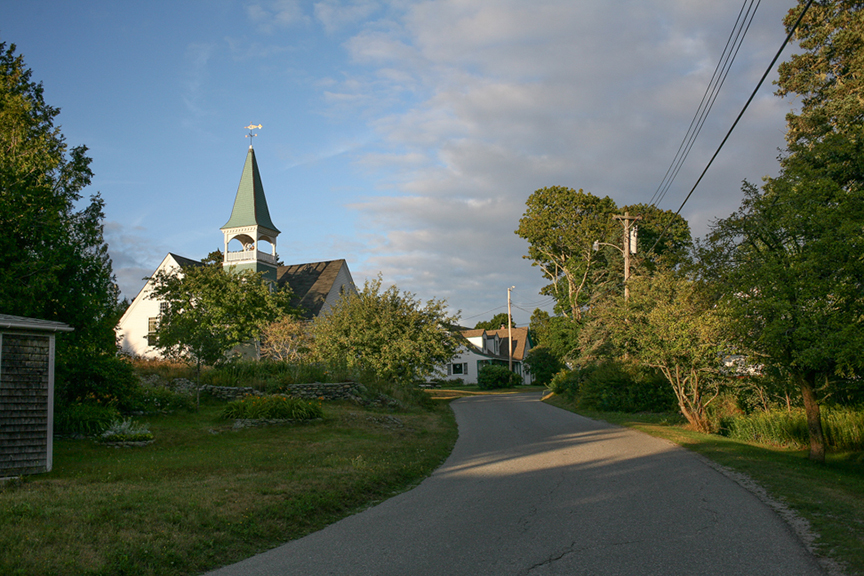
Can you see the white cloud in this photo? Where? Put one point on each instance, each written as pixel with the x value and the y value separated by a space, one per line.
pixel 335 15
pixel 275 14
pixel 501 98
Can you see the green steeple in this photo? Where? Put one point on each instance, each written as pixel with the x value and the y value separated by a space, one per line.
pixel 250 205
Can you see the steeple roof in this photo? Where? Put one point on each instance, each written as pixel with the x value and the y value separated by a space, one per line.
pixel 250 204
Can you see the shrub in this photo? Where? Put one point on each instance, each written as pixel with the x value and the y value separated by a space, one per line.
pixel 493 376
pixel 542 363
pixel 84 419
pixel 272 408
pixel 566 383
pixel 162 399
pixel 126 431
pixel 623 387
pixel 103 379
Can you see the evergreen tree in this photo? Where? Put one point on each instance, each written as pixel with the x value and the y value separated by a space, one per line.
pixel 54 261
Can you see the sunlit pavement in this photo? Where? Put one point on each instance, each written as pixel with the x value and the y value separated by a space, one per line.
pixel 534 490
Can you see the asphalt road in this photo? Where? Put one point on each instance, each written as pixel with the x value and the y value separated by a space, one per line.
pixel 534 490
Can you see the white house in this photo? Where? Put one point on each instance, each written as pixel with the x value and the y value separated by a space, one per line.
pixel 484 347
pixel 249 244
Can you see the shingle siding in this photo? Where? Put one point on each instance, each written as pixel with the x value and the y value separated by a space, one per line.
pixel 25 397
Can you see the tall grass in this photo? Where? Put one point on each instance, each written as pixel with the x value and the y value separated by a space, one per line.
pixel 843 428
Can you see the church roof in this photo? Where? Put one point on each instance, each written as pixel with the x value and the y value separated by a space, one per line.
pixel 310 283
pixel 183 262
pixel 250 204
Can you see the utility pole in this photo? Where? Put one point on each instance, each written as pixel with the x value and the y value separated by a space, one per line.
pixel 509 330
pixel 629 248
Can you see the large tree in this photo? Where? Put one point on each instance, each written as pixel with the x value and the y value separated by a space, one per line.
pixel 790 261
pixel 54 262
pixel 578 244
pixel 790 257
pixel 209 310
pixel 387 332
pixel 673 324
pixel 826 77
pixel 561 226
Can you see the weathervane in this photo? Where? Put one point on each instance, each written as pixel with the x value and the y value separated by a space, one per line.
pixel 251 127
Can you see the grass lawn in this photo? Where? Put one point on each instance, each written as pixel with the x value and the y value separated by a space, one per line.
pixel 829 496
pixel 204 495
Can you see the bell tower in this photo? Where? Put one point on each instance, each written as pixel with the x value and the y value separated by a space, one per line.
pixel 250 224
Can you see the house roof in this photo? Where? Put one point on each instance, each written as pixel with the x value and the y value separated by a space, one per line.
pixel 22 323
pixel 250 204
pixel 310 283
pixel 184 262
pixel 521 338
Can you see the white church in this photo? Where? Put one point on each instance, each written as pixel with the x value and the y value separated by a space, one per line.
pixel 249 244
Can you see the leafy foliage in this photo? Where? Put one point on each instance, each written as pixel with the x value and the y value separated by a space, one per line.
pixel 209 310
pixel 101 378
pixel 826 77
pixel 575 241
pixel 561 226
pixel 624 387
pixel 495 323
pixel 494 376
pixel 672 324
pixel 84 419
pixel 54 262
pixel 387 332
pixel 543 364
pixel 288 339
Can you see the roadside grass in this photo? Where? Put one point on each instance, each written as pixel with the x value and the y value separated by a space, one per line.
pixel 204 495
pixel 830 496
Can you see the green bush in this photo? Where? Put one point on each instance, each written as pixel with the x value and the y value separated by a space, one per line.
pixel 566 383
pixel 493 376
pixel 543 365
pixel 272 408
pixel 623 387
pixel 83 419
pixel 102 379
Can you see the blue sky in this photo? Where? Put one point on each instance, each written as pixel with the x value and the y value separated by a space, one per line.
pixel 402 136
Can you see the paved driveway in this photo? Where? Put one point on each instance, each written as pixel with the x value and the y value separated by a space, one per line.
pixel 534 490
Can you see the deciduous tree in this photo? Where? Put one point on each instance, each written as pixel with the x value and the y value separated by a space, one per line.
pixel 388 332
pixel 495 323
pixel 288 339
pixel 790 257
pixel 670 323
pixel 208 311
pixel 561 226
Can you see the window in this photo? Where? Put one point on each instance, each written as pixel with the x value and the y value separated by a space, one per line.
pixel 152 323
pixel 459 368
pixel 163 306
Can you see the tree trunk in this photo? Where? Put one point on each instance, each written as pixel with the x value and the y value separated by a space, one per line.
pixel 814 420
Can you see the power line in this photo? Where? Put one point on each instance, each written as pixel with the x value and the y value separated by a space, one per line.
pixel 721 71
pixel 734 124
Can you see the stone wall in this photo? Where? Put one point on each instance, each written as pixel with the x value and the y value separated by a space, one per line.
pixel 336 391
pixel 313 391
